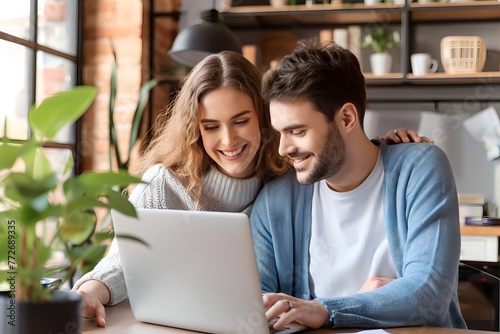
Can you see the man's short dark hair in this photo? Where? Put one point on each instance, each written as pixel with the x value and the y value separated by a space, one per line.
pixel 327 75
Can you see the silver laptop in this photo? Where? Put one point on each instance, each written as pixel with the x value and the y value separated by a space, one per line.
pixel 198 271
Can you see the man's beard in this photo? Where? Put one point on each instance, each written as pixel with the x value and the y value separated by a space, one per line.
pixel 329 160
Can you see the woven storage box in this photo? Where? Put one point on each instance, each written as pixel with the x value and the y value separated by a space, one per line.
pixel 463 54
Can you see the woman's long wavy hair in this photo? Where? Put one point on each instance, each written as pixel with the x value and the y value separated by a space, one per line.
pixel 177 143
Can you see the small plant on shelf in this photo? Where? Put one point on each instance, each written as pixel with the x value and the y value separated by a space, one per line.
pixel 381 39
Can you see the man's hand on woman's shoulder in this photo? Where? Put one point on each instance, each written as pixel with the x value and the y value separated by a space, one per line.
pixel 402 135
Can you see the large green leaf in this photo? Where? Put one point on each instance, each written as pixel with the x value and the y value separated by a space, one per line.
pixel 28 214
pixel 107 179
pixel 95 184
pixel 23 188
pixel 90 261
pixel 73 188
pixel 78 227
pixel 84 202
pixel 37 164
pixel 11 150
pixel 60 110
pixel 9 154
pixel 112 200
pixel 86 256
pixel 102 236
pixel 121 204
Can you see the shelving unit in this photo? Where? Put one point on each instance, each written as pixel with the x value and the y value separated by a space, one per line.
pixel 245 19
pixel 480 230
pixel 267 16
pixel 315 15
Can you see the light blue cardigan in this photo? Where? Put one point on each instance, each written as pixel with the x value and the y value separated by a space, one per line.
pixel 421 213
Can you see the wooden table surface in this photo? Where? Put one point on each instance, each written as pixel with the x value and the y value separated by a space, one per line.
pixel 119 320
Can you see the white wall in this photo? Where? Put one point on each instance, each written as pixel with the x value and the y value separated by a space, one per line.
pixel 473 172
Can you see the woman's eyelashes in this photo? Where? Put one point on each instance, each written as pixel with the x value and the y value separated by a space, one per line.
pixel 216 127
pixel 241 122
pixel 210 127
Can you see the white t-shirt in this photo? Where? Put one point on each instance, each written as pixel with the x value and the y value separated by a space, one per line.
pixel 348 238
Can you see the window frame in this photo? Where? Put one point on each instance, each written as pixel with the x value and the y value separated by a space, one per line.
pixel 35 47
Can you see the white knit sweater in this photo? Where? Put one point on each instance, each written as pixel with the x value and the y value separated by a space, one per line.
pixel 164 191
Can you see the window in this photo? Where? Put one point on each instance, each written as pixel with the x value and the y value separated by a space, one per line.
pixel 39 48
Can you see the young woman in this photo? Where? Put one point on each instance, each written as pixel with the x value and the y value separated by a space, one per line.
pixel 213 149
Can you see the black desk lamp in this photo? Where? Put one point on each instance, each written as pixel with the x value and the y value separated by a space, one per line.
pixel 200 40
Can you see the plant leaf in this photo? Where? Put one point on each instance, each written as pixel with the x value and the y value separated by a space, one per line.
pixel 84 202
pixel 141 104
pixel 60 110
pixel 7 242
pixel 86 256
pixel 9 153
pixel 107 179
pixel 133 238
pixel 37 164
pixel 112 99
pixel 69 164
pixel 121 204
pixel 23 188
pixel 102 236
pixel 78 227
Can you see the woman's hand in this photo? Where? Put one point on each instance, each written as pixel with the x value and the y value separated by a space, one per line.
pixel 289 309
pixel 402 135
pixel 95 295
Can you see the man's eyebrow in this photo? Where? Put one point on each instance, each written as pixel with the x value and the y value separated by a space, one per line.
pixel 206 120
pixel 293 127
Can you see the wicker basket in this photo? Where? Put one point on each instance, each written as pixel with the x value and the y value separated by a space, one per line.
pixel 463 54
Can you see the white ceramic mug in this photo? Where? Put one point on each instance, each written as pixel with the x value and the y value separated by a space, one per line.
pixel 422 63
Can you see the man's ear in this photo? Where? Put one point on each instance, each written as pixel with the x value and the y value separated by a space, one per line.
pixel 348 117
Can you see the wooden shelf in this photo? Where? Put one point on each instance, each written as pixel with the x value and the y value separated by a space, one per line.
pixel 480 230
pixel 386 79
pixel 433 79
pixel 398 79
pixel 357 13
pixel 455 11
pixel 248 20
pixel 315 15
pixel 455 79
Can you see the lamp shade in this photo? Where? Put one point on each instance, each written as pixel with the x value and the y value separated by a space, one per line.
pixel 200 40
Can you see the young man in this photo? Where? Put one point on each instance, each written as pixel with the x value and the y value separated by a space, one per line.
pixel 362 234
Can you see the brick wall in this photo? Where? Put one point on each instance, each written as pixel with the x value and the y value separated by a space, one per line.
pixel 125 25
pixel 106 23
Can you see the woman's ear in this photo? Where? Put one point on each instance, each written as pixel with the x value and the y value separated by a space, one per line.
pixel 348 117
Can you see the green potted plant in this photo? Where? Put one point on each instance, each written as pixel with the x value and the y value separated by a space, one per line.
pixel 381 40
pixel 44 212
pixel 124 163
